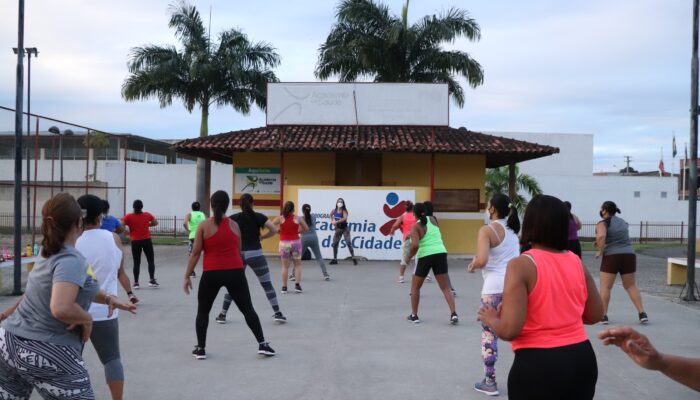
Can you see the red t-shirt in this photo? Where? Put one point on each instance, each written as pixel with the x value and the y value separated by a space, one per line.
pixel 138 225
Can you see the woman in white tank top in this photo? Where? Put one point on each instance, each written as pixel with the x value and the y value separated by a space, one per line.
pixel 102 250
pixel 497 244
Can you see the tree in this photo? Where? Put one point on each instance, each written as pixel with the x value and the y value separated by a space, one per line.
pixel 231 72
pixel 98 140
pixel 368 42
pixel 497 182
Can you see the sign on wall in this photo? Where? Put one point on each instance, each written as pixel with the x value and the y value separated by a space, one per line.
pixel 257 180
pixel 321 103
pixel 371 212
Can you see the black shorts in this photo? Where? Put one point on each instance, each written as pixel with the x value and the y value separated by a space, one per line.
pixel 619 263
pixel 568 372
pixel 436 262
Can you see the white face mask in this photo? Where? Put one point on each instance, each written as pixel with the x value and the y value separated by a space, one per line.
pixel 339 205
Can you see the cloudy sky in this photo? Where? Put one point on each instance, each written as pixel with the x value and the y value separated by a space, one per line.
pixel 616 69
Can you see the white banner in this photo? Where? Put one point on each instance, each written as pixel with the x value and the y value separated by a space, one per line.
pixel 323 103
pixel 257 180
pixel 371 213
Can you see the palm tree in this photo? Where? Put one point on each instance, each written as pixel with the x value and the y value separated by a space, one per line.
pixel 368 42
pixel 231 72
pixel 97 140
pixel 497 182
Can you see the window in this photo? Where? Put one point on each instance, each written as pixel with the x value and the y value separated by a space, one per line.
pixel 155 158
pixel 664 195
pixel 637 194
pixel 134 155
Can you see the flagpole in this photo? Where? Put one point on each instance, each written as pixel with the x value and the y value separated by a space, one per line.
pixel 693 184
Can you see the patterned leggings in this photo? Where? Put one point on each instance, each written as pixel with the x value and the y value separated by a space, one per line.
pixel 489 341
pixel 56 372
pixel 257 262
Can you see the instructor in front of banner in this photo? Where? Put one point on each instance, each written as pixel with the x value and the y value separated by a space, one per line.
pixel 339 220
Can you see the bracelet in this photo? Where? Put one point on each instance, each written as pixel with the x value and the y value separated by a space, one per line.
pixel 129 293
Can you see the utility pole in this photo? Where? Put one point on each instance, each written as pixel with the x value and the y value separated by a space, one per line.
pixel 19 92
pixel 693 185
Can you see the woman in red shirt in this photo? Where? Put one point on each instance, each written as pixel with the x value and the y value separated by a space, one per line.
pixel 139 223
pixel 220 239
pixel 548 296
pixel 290 244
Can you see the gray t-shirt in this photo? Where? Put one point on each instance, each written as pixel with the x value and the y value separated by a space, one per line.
pixel 617 238
pixel 33 319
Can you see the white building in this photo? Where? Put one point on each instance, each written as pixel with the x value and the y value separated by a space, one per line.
pixel 569 176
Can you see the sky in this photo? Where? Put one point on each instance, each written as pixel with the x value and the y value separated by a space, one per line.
pixel 619 70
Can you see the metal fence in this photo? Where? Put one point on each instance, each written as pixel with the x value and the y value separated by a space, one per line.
pixel 168 225
pixel 644 231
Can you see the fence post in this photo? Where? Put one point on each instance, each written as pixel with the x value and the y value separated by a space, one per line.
pixel 641 231
pixel 174 226
pixel 646 232
pixel 682 231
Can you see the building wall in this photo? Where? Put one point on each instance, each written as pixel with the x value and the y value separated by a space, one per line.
pixel 402 171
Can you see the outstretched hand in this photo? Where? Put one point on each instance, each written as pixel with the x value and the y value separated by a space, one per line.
pixel 634 344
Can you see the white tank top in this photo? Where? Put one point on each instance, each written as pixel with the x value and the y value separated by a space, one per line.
pixel 494 272
pixel 103 255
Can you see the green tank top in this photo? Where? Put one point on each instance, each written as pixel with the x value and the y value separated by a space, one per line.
pixel 431 242
pixel 196 217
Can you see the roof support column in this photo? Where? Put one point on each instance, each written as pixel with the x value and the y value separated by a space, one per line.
pixel 511 181
pixel 282 180
pixel 432 176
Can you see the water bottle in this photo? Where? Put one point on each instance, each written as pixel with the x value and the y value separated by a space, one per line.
pixel 28 250
pixel 36 249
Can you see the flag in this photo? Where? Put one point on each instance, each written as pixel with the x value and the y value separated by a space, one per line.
pixel 661 167
pixel 674 152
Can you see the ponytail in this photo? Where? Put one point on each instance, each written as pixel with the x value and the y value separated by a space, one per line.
pixel 306 209
pixel 219 204
pixel 513 220
pixel 288 209
pixel 420 212
pixel 59 215
pixel 247 204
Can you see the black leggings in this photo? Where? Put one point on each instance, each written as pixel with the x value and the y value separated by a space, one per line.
pixel 147 246
pixel 235 282
pixel 568 372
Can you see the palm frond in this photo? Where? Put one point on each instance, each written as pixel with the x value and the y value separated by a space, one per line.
pixel 188 25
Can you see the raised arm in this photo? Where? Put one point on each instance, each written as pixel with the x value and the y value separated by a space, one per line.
pixel 271 230
pixel 483 245
pixel 600 232
pixel 684 370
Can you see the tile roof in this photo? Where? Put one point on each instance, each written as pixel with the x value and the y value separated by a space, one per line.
pixel 396 139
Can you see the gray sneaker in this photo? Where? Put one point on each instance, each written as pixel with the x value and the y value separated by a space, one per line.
pixel 487 387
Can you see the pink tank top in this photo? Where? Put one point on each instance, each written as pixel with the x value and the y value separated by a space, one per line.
pixel 555 305
pixel 407 223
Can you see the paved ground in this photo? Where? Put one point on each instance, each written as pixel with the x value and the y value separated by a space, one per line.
pixel 348 339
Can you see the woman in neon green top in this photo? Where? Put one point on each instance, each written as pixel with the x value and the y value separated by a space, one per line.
pixel 430 251
pixel 192 221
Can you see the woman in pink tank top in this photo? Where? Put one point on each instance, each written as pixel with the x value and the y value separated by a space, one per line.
pixel 548 296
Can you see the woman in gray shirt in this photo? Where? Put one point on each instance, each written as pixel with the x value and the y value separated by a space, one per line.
pixel 613 243
pixel 41 341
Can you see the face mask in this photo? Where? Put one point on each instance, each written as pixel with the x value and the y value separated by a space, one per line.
pixel 601 214
pixel 340 205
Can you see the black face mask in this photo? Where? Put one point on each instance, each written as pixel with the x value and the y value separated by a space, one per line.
pixel 601 214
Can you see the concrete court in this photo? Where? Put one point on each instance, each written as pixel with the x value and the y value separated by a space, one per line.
pixel 349 339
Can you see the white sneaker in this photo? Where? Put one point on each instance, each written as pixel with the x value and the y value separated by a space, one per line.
pixel 400 280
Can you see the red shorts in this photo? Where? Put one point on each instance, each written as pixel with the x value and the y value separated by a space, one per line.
pixel 619 263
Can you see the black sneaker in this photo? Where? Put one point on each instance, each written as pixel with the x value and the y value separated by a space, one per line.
pixel 265 349
pixel 297 288
pixel 413 318
pixel 136 285
pixel 153 284
pixel 279 318
pixel 354 261
pixel 199 353
pixel 643 318
pixel 333 262
pixel 604 320
pixel 291 278
pixel 454 320
pixel 284 290
pixel 221 319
